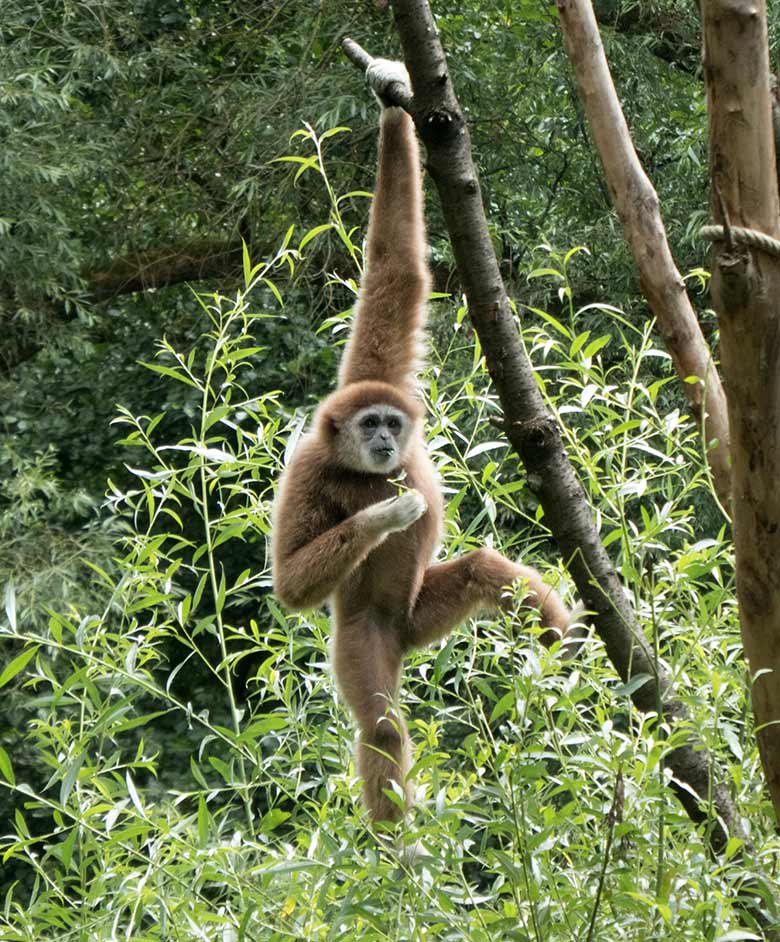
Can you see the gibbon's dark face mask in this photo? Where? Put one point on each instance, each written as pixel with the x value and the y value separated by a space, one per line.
pixel 375 439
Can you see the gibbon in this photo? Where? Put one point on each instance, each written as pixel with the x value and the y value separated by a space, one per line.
pixel 341 532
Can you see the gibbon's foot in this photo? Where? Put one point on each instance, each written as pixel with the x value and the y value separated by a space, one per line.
pixel 556 620
pixel 382 74
pixel 527 589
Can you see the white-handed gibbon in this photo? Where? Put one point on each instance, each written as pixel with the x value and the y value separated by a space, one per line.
pixel 341 532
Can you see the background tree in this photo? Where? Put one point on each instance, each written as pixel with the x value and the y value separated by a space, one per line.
pixel 745 285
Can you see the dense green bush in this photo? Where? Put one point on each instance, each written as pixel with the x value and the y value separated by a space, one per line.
pixel 176 758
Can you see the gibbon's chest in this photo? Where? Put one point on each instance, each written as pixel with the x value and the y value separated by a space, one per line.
pixel 388 579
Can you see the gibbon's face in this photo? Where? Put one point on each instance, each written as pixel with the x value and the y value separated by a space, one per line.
pixel 374 440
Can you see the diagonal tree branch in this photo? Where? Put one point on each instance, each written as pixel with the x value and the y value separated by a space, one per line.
pixel 531 428
pixel 637 206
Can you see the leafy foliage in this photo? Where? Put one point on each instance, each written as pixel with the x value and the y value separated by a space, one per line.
pixel 174 760
pixel 180 766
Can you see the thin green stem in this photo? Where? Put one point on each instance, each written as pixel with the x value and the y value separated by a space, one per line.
pixel 235 714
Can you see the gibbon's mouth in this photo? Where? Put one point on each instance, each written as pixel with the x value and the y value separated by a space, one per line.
pixel 382 454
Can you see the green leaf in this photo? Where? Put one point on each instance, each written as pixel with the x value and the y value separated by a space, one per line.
pixel 70 777
pixel 274 291
pixel 272 819
pixel 170 372
pixel 204 821
pixel 136 721
pixel 637 681
pixel 595 345
pixel 246 263
pixel 578 341
pixel 331 132
pixel 222 768
pixel 313 233
pixel 67 848
pixel 6 769
pixel 219 602
pixel 504 705
pixel 17 664
pixel 197 774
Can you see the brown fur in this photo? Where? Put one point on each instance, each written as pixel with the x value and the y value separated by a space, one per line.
pixel 329 543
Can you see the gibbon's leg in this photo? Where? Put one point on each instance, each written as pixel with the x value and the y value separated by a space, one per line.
pixel 453 590
pixel 385 341
pixel 367 665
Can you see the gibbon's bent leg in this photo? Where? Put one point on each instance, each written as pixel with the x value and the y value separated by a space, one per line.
pixel 482 579
pixel 367 664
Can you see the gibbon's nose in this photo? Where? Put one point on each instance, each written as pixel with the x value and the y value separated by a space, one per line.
pixel 384 435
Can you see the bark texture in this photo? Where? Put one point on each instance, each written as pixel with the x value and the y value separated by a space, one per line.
pixel 531 429
pixel 638 207
pixel 746 295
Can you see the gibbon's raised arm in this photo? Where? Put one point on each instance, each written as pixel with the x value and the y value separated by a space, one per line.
pixel 385 342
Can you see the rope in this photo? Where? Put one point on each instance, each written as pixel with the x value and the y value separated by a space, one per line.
pixel 751 237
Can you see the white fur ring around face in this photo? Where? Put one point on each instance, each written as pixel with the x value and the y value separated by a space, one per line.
pixel 382 73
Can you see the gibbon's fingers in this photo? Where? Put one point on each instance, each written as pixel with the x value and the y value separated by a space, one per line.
pixel 396 513
pixel 382 74
pixel 409 507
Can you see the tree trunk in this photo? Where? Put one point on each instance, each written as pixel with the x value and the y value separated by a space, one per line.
pixel 637 206
pixel 746 295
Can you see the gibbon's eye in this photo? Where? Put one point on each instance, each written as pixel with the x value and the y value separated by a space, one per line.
pixel 370 421
pixel 394 423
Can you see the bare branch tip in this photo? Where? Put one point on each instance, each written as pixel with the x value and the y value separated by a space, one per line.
pixel 356 54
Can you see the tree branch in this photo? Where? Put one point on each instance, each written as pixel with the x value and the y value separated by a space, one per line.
pixel 128 274
pixel 745 290
pixel 163 267
pixel 532 430
pixel 637 206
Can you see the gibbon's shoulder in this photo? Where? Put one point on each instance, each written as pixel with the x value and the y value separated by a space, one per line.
pixel 310 454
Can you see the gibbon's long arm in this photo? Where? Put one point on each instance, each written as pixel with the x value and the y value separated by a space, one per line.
pixel 307 577
pixel 386 339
